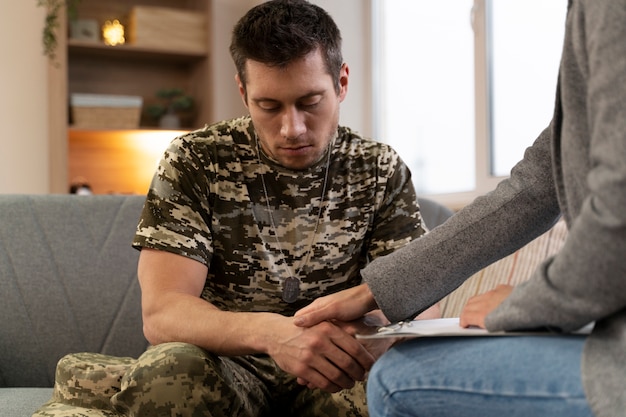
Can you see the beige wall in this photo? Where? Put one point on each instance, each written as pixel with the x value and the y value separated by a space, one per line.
pixel 24 108
pixel 226 101
pixel 353 18
pixel 23 82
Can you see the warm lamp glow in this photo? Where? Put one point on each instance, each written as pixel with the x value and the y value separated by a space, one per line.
pixel 113 33
pixel 147 146
pixel 117 161
pixel 150 143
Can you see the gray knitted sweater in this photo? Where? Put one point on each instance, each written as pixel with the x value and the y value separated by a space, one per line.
pixel 577 168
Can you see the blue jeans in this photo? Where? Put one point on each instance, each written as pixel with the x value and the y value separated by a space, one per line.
pixel 480 376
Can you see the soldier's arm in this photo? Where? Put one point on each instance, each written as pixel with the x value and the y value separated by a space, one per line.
pixel 324 355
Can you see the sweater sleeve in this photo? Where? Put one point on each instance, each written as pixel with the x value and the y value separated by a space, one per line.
pixel 585 281
pixel 418 275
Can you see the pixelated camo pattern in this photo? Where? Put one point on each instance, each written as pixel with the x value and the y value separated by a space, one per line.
pixel 84 384
pixel 180 379
pixel 207 202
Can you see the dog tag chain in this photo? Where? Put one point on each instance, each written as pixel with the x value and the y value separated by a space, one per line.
pixel 291 284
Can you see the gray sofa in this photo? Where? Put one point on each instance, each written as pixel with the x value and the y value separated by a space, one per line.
pixel 68 283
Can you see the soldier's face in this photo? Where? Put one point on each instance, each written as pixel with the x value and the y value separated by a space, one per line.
pixel 295 109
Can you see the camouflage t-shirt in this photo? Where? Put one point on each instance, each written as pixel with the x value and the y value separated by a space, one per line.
pixel 208 202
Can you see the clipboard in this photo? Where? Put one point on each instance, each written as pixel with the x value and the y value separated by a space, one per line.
pixel 449 327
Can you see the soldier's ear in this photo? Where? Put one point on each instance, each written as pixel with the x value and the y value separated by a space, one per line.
pixel 242 90
pixel 343 81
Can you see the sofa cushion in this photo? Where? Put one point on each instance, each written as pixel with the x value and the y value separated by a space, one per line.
pixel 68 282
pixel 512 269
pixel 22 402
pixel 433 213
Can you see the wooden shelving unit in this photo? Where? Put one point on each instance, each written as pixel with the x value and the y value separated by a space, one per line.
pixel 102 157
pixel 85 48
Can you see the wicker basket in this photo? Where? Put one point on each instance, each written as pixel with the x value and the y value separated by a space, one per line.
pixel 97 111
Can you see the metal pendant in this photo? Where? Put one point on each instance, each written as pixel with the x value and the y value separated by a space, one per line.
pixel 291 289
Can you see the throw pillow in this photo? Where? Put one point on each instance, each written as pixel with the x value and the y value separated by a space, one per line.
pixel 512 269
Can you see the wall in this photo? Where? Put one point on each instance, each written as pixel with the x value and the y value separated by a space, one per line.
pixel 226 101
pixel 24 111
pixel 354 21
pixel 24 108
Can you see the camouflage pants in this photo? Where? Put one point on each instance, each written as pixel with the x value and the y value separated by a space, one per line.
pixel 179 379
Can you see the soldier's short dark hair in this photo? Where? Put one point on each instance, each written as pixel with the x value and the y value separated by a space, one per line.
pixel 278 32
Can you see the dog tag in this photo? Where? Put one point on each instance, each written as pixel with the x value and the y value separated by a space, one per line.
pixel 291 289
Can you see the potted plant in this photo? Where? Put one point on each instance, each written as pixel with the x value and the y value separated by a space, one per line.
pixel 51 24
pixel 174 102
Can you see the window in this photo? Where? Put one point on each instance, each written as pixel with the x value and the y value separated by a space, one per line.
pixel 463 86
pixel 526 40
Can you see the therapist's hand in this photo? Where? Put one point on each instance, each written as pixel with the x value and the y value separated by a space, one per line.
pixel 365 325
pixel 479 306
pixel 346 306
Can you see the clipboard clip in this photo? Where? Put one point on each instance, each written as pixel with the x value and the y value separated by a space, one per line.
pixel 394 327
